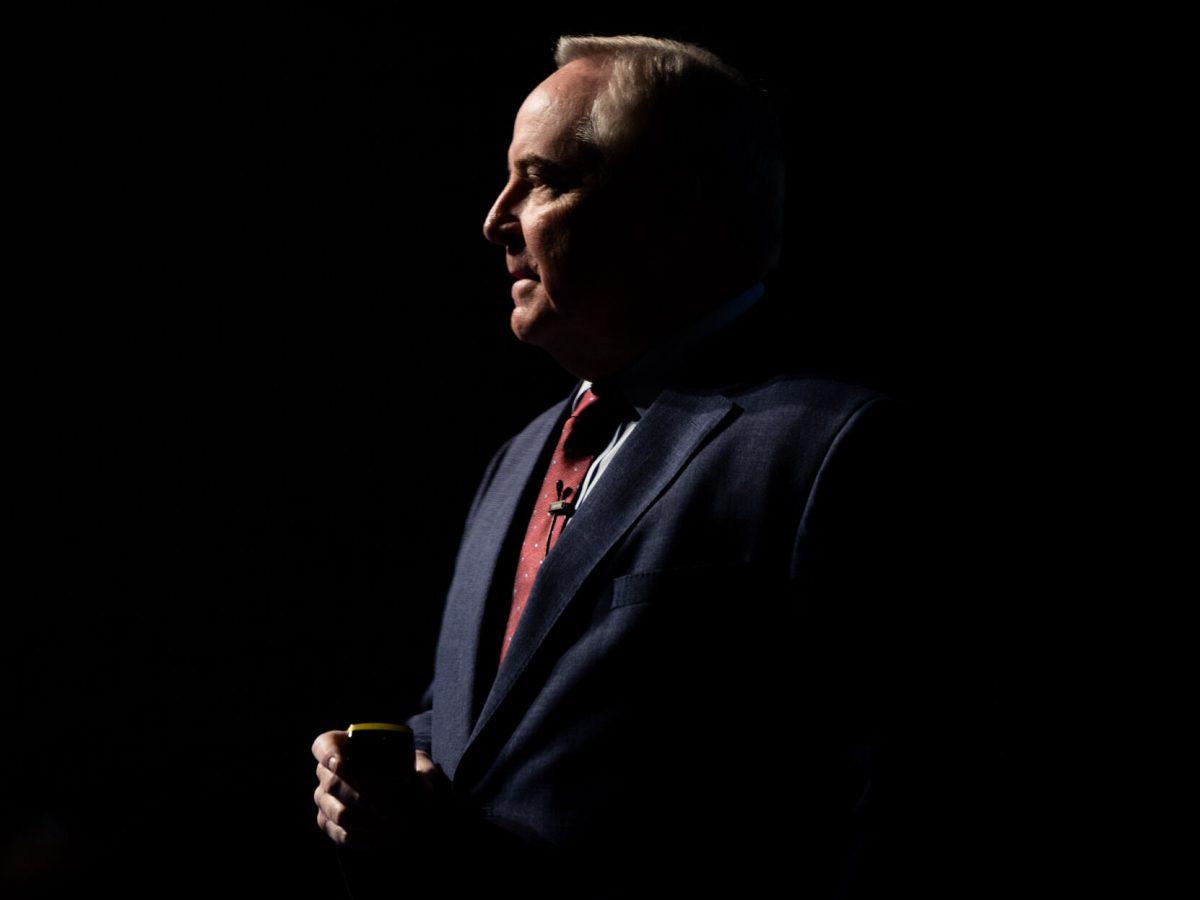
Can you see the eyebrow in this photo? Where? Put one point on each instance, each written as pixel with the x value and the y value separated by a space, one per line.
pixel 531 160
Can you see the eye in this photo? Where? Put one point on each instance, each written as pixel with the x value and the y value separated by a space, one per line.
pixel 550 183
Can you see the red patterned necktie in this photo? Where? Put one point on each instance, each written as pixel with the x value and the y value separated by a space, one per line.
pixel 583 436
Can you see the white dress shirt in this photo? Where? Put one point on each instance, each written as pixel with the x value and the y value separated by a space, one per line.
pixel 642 381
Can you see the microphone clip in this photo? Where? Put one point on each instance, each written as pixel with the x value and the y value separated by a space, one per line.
pixel 563 506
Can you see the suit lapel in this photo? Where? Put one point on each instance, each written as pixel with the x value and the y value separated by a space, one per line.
pixel 672 430
pixel 493 521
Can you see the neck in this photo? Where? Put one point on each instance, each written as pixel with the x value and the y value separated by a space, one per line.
pixel 670 314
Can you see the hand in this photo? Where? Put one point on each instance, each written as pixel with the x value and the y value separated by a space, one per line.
pixel 365 810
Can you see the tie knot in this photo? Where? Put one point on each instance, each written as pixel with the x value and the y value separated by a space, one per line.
pixel 590 398
pixel 604 395
pixel 591 424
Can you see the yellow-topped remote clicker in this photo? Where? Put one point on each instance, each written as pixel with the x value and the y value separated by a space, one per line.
pixel 379 749
pixel 377 726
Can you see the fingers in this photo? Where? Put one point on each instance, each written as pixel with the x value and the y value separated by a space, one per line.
pixel 336 786
pixel 329 744
pixel 335 773
pixel 351 817
pixel 384 797
pixel 431 781
pixel 350 827
pixel 422 762
pixel 336 833
pixel 358 838
pixel 345 818
pixel 357 810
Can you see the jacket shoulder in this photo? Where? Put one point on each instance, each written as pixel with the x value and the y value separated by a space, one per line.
pixel 809 395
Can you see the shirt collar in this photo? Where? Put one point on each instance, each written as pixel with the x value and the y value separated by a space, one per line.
pixel 642 380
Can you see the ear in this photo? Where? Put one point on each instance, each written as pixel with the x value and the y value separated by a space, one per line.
pixel 673 202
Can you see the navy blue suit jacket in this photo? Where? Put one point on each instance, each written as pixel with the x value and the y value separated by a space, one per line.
pixel 697 695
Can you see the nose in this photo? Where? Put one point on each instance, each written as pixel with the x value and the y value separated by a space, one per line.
pixel 501 225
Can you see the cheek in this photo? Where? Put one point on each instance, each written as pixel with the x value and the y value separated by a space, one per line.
pixel 551 239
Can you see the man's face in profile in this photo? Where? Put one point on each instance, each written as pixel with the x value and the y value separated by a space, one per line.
pixel 576 243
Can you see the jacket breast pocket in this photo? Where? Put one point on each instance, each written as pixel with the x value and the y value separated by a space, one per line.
pixel 724 582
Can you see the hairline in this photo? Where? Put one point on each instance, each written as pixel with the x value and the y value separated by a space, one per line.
pixel 637 67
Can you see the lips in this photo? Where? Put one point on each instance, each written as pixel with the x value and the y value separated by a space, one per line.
pixel 520 273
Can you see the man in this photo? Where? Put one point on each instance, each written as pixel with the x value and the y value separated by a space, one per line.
pixel 660 660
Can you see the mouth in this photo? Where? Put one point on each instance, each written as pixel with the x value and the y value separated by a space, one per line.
pixel 521 274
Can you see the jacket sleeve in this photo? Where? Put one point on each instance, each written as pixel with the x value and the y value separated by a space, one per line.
pixel 904 622
pixel 853 569
pixel 422 723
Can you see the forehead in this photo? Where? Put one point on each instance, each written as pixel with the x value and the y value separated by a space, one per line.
pixel 547 121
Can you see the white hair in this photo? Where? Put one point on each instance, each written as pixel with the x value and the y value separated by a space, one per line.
pixel 680 108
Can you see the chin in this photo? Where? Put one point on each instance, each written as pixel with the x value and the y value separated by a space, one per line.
pixel 529 327
pixel 542 332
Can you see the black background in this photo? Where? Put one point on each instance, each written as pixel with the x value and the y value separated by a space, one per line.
pixel 259 355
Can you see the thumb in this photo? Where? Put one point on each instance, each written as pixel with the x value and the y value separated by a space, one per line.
pixel 432 781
